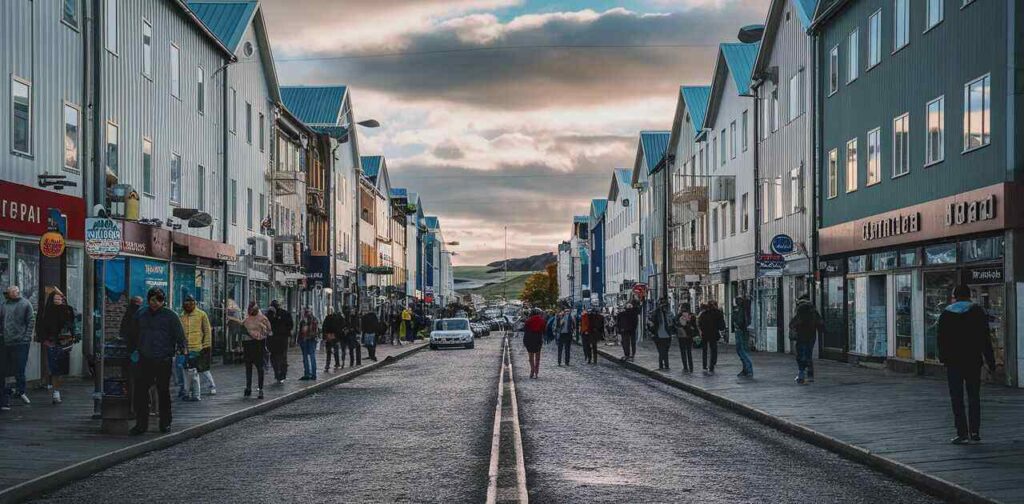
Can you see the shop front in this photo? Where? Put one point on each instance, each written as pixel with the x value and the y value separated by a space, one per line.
pixel 884 287
pixel 198 271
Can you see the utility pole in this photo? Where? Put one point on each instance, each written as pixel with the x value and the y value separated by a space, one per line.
pixel 665 217
pixel 504 283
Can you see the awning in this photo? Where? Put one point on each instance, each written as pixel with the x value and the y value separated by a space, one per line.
pixel 201 247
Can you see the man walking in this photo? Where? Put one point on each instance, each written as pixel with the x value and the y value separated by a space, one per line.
pixel 597 328
pixel 662 327
pixel 17 321
pixel 161 336
pixel 309 333
pixel 198 334
pixel 803 330
pixel 566 325
pixel 625 323
pixel 350 330
pixel 585 334
pixel 370 325
pixel 740 322
pixel 711 322
pixel 281 325
pixel 333 334
pixel 964 346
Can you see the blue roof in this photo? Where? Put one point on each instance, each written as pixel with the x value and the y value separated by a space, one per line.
pixel 740 59
pixel 371 165
pixel 625 175
pixel 581 218
pixel 654 145
pixel 598 206
pixel 399 192
pixel 696 98
pixel 314 105
pixel 226 20
pixel 432 222
pixel 805 9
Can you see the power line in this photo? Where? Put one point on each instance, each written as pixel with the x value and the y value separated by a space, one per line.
pixel 400 176
pixel 535 47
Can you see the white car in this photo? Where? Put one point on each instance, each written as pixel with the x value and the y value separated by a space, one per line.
pixel 451 332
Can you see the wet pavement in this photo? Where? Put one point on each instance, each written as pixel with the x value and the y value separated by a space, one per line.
pixel 418 430
pixel 600 433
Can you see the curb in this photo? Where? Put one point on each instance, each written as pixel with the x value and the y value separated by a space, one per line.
pixel 903 472
pixel 61 477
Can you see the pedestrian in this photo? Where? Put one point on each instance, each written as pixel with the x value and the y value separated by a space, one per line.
pixel 17 321
pixel 256 328
pixel 408 333
pixel 803 331
pixel 199 336
pixel 161 337
pixel 585 336
pixel 686 331
pixel 308 338
pixel 626 322
pixel 551 329
pixel 351 330
pixel 711 323
pixel 370 325
pixel 282 325
pixel 965 345
pixel 740 322
pixel 533 339
pixel 597 328
pixel 565 325
pixel 662 327
pixel 129 332
pixel 57 333
pixel 332 329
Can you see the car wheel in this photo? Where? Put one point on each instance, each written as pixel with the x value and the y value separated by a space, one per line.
pixel 469 346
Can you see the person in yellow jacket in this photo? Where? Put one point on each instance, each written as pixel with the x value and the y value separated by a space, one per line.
pixel 405 330
pixel 199 336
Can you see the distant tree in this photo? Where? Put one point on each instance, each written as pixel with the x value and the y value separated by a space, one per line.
pixel 540 291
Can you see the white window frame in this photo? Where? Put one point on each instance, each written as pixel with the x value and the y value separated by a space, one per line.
pixel 744 212
pixel 175 67
pixel 874 39
pixel 249 217
pixel 743 138
pixel 724 147
pixel 852 175
pixel 171 182
pixel 234 201
pixel 201 187
pixel 780 211
pixel 732 140
pixel 147 178
pixel 901 167
pixel 766 202
pixel 75 21
pixel 775 109
pixel 68 106
pixel 248 122
pixel 833 70
pixel 117 144
pixel 110 26
pixel 874 157
pixel 833 173
pixel 898 28
pixel 31 117
pixel 796 95
pixel 147 49
pixel 934 9
pixel 200 90
pixel 930 157
pixel 234 110
pixel 853 56
pixel 986 114
pixel 796 189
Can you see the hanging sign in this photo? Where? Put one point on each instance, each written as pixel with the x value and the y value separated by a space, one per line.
pixel 770 265
pixel 782 244
pixel 102 238
pixel 51 244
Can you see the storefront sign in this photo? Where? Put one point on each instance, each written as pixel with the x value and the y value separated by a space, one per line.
pixel 770 265
pixel 23 210
pixel 640 290
pixel 892 226
pixel 988 275
pixel 202 247
pixel 51 244
pixel 318 269
pixel 143 240
pixel 102 238
pixel 959 213
pixel 782 244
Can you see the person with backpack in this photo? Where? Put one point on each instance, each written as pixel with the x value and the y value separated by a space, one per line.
pixel 964 346
pixel 740 323
pixel 711 323
pixel 803 331
pixel 686 331
pixel 663 327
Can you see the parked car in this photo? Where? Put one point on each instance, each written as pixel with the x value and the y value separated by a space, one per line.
pixel 451 332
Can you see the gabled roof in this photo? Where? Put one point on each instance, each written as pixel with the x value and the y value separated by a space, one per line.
pixel 371 166
pixel 650 150
pixel 399 193
pixel 598 206
pixel 696 99
pixel 317 106
pixel 432 222
pixel 735 60
pixel 804 10
pixel 624 175
pixel 579 218
pixel 226 20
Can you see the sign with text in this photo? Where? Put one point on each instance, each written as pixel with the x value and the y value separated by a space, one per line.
pixel 782 244
pixel 23 209
pixel 770 265
pixel 102 238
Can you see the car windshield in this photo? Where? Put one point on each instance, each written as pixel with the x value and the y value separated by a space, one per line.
pixel 451 325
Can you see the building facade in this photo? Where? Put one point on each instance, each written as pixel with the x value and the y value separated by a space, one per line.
pixel 596 223
pixel 621 258
pixel 649 178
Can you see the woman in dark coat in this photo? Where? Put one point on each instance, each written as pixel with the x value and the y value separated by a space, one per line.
pixel 57 333
pixel 533 339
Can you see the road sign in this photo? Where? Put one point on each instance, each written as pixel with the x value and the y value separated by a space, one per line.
pixel 102 238
pixel 782 244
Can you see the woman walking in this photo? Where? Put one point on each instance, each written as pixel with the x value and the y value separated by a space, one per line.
pixel 663 327
pixel 686 331
pixel 256 329
pixel 57 334
pixel 533 339
pixel 309 333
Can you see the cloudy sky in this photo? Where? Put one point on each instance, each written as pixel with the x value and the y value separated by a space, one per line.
pixel 506 112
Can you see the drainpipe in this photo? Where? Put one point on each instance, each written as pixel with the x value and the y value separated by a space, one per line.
pixel 92 188
pixel 224 224
pixel 756 295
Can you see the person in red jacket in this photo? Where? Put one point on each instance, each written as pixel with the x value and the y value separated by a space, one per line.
pixel 533 339
pixel 964 346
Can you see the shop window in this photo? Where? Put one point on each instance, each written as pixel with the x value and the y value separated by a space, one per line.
pixel 26 273
pixel 904 319
pixel 5 262
pixel 940 254
pixel 855 264
pixel 938 285
pixel 909 258
pixel 982 249
pixel 883 261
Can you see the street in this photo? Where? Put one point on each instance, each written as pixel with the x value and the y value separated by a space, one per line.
pixel 419 431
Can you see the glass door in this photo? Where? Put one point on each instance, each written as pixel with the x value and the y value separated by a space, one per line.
pixel 992 299
pixel 904 318
pixel 938 286
pixel 833 315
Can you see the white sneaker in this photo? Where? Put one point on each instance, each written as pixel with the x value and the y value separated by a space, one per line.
pixel 56 397
pixel 212 391
pixel 24 399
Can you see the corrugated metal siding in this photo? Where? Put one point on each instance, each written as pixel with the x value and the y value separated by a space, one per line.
pixel 314 105
pixel 654 144
pixel 696 98
pixel 740 58
pixel 966 45
pixel 790 146
pixel 39 47
pixel 247 163
pixel 621 223
pixel 228 21
pixel 346 156
pixel 143 107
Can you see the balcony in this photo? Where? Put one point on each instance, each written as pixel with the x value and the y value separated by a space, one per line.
pixel 690 194
pixel 315 201
pixel 690 262
pixel 286 183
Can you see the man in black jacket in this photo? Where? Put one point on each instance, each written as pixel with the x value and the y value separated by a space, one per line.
pixel 964 345
pixel 160 337
pixel 711 322
pixel 626 322
pixel 370 325
pixel 333 329
pixel 281 325
pixel 350 324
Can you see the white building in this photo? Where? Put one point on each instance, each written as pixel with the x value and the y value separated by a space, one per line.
pixel 566 261
pixel 621 261
pixel 729 137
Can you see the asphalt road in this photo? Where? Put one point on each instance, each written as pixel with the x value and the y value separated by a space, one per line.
pixel 418 430
pixel 600 433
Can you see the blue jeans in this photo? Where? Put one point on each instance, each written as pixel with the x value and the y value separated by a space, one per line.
pixel 805 359
pixel 742 340
pixel 308 347
pixel 15 358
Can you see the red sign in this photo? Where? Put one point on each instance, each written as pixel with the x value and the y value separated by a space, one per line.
pixel 640 290
pixel 51 244
pixel 23 210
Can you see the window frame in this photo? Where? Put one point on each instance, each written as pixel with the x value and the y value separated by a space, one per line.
pixel 833 173
pixel 986 118
pixel 744 212
pixel 833 70
pixel 248 122
pixel 856 165
pixel 874 40
pixel 117 144
pixel 147 178
pixel 234 201
pixel 775 109
pixel 200 90
pixel 796 189
pixel 853 56
pixel 175 68
pixel 928 14
pixel 201 187
pixel 905 119
pixel 929 158
pixel 78 137
pixel 766 202
pixel 170 176
pixel 249 209
pixel 234 110
pixel 30 140
pixel 262 132
pixel 874 175
pixel 743 139
pixel 723 147
pixel 147 49
pixel 796 95
pixel 110 25
pixel 780 206
pixel 76 22
pixel 896 46
pixel 732 140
